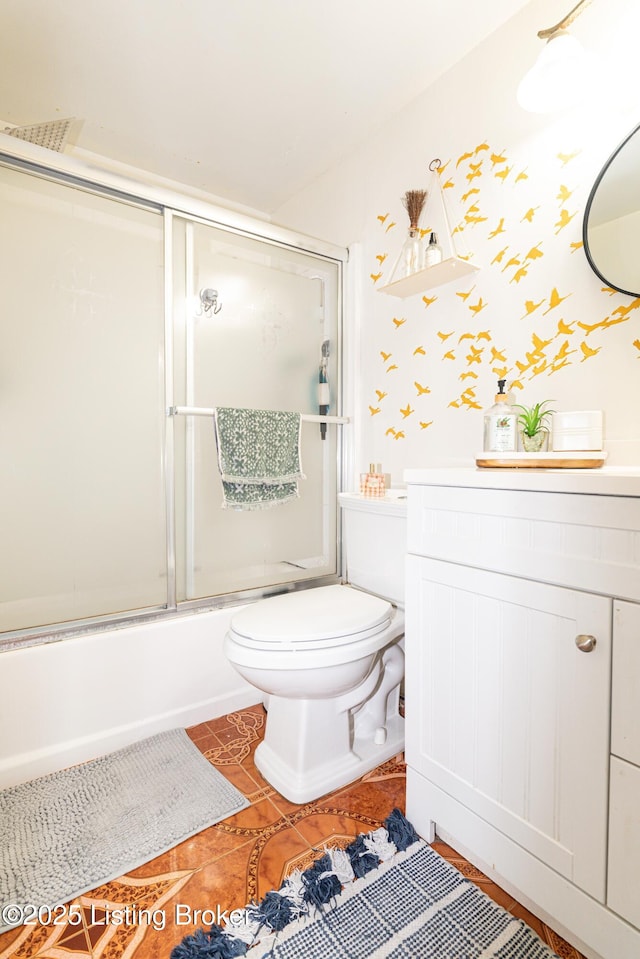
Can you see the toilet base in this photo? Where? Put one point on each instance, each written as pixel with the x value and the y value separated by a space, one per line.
pixel 319 778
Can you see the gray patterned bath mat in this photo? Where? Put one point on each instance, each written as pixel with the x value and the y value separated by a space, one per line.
pixel 68 832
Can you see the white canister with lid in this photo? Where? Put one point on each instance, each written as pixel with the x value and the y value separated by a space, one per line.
pixel 577 430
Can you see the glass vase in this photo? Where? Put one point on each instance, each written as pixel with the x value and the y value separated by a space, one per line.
pixel 536 443
pixel 412 256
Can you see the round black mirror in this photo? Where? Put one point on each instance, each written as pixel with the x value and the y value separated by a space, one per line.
pixel 611 227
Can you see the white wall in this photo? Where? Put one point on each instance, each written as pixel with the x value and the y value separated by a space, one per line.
pixel 76 699
pixel 550 164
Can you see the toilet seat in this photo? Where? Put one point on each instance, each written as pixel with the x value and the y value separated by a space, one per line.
pixel 320 618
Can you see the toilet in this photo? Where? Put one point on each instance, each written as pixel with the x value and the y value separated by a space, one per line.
pixel 330 660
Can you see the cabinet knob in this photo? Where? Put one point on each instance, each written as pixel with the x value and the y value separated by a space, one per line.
pixel 585 643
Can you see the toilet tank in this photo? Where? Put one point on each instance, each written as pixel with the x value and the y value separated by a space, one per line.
pixel 374 542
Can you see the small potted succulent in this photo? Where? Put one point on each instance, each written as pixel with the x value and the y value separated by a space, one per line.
pixel 534 431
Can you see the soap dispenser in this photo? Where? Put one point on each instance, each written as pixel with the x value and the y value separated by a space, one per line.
pixel 500 424
pixel 433 252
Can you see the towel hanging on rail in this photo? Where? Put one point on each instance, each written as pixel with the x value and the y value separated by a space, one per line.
pixel 258 457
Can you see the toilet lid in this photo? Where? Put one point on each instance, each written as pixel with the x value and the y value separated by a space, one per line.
pixel 327 614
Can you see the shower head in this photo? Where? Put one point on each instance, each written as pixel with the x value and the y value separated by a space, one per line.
pixel 53 135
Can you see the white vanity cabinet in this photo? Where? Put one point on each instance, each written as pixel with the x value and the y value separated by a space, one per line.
pixel 518 601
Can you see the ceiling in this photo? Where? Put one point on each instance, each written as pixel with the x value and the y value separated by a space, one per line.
pixel 248 100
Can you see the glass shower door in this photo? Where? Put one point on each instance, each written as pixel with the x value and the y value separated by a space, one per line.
pixel 259 347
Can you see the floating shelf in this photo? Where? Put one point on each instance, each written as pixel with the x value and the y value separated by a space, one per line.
pixel 450 269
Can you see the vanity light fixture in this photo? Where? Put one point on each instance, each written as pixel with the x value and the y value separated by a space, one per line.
pixel 560 75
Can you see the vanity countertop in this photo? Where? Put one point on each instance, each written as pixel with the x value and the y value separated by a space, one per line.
pixel 606 481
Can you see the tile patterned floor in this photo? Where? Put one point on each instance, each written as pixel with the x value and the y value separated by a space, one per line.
pixel 144 914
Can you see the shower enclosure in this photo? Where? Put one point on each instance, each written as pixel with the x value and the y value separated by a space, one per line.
pixel 112 500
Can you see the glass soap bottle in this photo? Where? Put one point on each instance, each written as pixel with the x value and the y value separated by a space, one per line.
pixel 501 424
pixel 433 252
pixel 412 255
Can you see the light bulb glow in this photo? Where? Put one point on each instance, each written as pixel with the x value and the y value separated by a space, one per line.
pixel 559 77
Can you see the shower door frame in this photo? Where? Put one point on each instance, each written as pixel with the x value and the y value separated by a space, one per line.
pixel 68 171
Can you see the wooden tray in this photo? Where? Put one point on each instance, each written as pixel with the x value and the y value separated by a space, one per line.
pixel 554 461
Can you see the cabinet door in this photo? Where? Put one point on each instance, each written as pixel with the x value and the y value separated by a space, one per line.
pixel 504 712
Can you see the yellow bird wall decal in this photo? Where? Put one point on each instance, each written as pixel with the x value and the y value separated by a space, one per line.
pixel 514 261
pixel 607 289
pixel 472 176
pixel 567 157
pixel 519 275
pixel 576 246
pixel 455 404
pixel 465 196
pixel 472 404
pixel 467 373
pixel 462 158
pixel 468 392
pixel 471 358
pixel 465 296
pixel 390 226
pixel 474 208
pixel 563 194
pixel 449 355
pixel 420 350
pixel 385 356
pixel 555 300
pixel 497 158
pixel 374 409
pixel 407 411
pixel 529 215
pixel 484 335
pixel 498 257
pixel 382 217
pixel 421 389
pixel 467 336
pixel 499 229
pixel 624 310
pixel 587 352
pixel 535 252
pixel 381 257
pixel 375 276
pixel 477 307
pixel 428 300
pixel 564 329
pixel 399 435
pixel 381 395
pixel 559 364
pixel 474 220
pixel 563 351
pixel 392 367
pixel 476 350
pixel 424 426
pixel 497 355
pixel 522 367
pixel 448 185
pixel 398 321
pixel 480 147
pixel 590 327
pixel 540 368
pixel 390 432
pixel 443 167
pixel 516 385
pixel 445 336
pixel 539 343
pixel 531 307
pixel 523 175
pixel 503 174
pixel 500 371
pixel 636 343
pixel 564 219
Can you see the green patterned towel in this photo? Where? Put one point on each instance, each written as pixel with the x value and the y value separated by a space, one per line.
pixel 258 457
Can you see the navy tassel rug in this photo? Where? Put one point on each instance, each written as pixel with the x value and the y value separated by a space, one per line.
pixel 386 896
